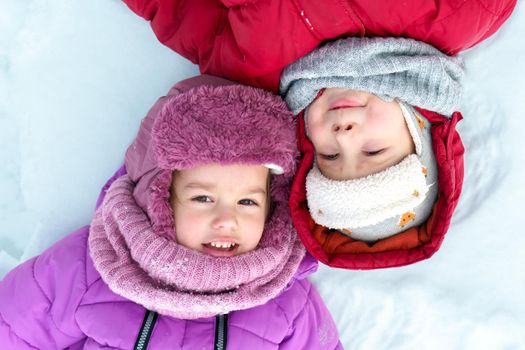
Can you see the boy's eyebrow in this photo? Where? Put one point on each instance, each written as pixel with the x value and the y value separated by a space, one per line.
pixel 331 163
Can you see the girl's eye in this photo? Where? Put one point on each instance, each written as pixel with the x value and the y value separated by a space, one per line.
pixel 330 156
pixel 201 199
pixel 247 202
pixel 374 153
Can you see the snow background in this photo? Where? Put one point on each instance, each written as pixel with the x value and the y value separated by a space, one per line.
pixel 76 78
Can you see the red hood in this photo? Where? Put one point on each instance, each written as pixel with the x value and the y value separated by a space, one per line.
pixel 410 246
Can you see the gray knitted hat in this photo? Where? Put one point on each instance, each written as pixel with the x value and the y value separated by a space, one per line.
pixel 408 70
pixel 413 73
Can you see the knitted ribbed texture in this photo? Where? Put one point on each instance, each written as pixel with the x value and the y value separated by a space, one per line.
pixel 132 239
pixel 173 280
pixel 406 69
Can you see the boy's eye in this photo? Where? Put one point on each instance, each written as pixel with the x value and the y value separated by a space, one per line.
pixel 374 153
pixel 201 199
pixel 330 156
pixel 247 202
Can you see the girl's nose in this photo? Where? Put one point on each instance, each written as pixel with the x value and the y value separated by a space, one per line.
pixel 225 219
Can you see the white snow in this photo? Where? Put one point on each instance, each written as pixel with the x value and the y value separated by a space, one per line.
pixel 77 77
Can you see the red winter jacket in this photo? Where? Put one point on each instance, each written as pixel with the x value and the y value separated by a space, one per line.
pixel 251 41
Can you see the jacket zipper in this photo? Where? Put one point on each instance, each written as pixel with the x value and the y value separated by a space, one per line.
pixel 145 330
pixel 221 332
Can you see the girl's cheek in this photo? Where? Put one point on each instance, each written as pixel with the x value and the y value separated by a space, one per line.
pixel 187 219
pixel 193 216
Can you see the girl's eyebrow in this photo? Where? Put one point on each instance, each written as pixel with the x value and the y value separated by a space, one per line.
pixel 200 185
pixel 257 190
pixel 210 186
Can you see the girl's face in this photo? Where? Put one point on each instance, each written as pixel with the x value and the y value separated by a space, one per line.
pixel 356 133
pixel 220 210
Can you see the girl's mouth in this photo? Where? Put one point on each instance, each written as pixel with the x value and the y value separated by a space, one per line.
pixel 221 248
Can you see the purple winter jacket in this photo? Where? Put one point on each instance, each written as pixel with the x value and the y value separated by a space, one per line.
pixel 58 300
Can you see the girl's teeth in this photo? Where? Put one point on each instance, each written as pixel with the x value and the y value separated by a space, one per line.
pixel 226 245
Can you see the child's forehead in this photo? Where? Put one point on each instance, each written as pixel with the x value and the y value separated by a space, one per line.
pixel 214 176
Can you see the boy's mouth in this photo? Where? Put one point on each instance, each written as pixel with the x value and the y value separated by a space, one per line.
pixel 344 103
pixel 221 248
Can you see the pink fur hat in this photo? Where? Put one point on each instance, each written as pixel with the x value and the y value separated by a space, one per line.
pixel 205 120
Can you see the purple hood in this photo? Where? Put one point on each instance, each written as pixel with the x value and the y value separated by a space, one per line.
pixel 248 126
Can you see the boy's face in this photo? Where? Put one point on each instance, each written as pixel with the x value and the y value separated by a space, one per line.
pixel 220 210
pixel 356 133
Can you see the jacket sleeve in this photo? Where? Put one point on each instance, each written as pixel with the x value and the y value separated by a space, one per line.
pixel 188 27
pixel 241 40
pixel 38 299
pixel 314 327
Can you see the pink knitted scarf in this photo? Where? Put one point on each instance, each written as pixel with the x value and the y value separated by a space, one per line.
pixel 156 272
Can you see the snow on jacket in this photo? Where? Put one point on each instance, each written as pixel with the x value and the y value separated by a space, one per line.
pixel 251 41
pixel 59 300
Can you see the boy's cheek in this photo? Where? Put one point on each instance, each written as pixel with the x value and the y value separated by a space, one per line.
pixel 319 141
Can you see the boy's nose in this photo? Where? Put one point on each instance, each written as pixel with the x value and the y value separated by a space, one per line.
pixel 344 120
pixel 342 126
